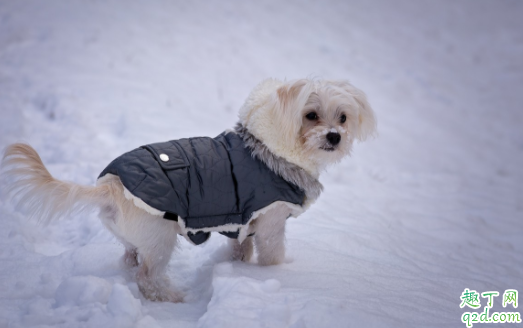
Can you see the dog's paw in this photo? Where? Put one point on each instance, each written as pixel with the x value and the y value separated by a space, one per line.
pixel 271 259
pixel 241 252
pixel 170 296
pixel 161 295
pixel 130 258
pixel 237 255
pixel 266 262
pixel 158 289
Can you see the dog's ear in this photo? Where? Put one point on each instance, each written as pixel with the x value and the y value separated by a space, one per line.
pixel 291 98
pixel 366 118
pixel 288 93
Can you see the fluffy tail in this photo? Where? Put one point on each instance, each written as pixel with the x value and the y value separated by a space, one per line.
pixel 43 196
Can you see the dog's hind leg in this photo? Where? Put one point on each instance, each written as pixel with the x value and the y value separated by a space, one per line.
pixel 149 241
pixel 155 239
pixel 109 216
pixel 154 258
pixel 148 244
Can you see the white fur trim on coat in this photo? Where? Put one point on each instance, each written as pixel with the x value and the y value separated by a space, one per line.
pixel 138 202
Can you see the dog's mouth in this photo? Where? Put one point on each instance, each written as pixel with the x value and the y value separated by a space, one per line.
pixel 328 147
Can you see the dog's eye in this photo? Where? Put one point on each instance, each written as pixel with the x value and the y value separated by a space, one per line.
pixel 312 116
pixel 343 118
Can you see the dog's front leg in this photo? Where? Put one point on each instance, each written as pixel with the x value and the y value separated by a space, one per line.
pixel 270 236
pixel 241 252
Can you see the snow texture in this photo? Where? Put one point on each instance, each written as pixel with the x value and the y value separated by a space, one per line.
pixel 432 206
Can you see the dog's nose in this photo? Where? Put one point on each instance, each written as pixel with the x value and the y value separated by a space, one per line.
pixel 334 138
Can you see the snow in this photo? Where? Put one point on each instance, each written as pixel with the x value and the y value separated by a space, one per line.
pixel 430 207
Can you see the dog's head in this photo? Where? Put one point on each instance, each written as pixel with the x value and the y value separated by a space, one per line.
pixel 311 123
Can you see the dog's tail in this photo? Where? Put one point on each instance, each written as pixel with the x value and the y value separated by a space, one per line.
pixel 43 196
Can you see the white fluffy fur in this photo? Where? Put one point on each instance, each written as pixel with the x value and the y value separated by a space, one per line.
pixel 136 201
pixel 274 113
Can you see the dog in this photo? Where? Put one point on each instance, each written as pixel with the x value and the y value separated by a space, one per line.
pixel 244 183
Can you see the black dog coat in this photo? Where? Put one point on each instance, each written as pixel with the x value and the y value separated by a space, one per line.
pixel 211 183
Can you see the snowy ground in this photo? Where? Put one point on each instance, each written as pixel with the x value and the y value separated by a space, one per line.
pixel 434 205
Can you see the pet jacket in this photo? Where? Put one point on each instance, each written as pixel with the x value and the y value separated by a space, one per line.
pixel 212 184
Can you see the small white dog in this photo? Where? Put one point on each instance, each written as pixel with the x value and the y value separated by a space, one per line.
pixel 244 183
